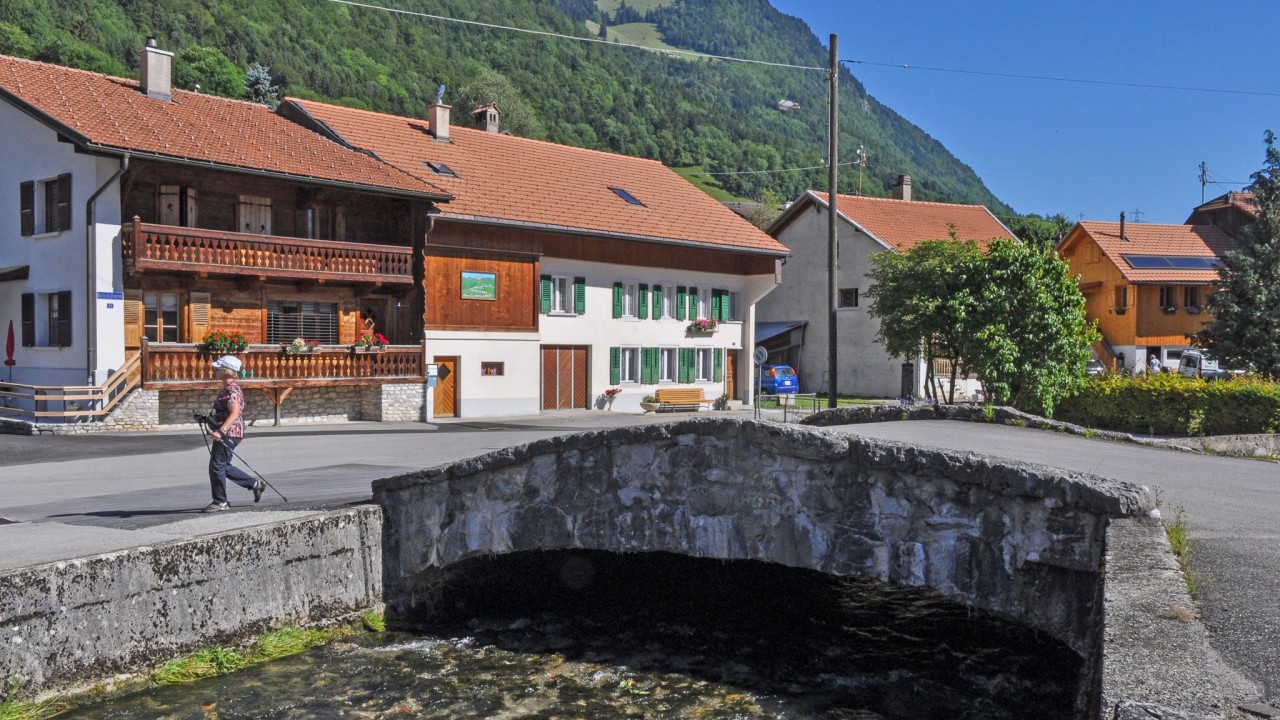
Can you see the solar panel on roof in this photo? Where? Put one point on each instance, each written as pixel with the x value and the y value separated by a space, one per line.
pixel 1193 263
pixel 1146 262
pixel 1170 262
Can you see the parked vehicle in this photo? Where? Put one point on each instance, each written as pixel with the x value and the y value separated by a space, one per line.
pixel 1093 368
pixel 778 379
pixel 1196 364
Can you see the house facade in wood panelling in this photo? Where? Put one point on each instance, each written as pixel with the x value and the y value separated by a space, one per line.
pixel 556 273
pixel 145 217
pixel 1145 285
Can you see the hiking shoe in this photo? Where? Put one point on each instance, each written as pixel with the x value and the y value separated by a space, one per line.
pixel 216 507
pixel 258 489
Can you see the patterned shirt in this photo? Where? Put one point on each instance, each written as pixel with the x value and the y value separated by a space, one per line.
pixel 222 408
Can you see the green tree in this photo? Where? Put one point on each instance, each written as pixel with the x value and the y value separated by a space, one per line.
pixel 1245 330
pixel 517 116
pixel 258 87
pixel 1031 339
pixel 207 68
pixel 15 42
pixel 1040 230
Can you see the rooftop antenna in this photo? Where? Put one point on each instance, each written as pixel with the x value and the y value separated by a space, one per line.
pixel 439 95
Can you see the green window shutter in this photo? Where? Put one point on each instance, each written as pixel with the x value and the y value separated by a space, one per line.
pixel 649 366
pixel 693 303
pixel 657 302
pixel 546 294
pixel 723 313
pixel 682 298
pixel 715 304
pixel 617 300
pixel 580 295
pixel 688 356
pixel 718 370
pixel 615 365
pixel 642 303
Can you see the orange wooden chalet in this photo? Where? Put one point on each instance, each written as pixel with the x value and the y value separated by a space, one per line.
pixel 204 214
pixel 1145 285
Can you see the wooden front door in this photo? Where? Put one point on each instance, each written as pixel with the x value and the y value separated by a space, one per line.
pixel 446 390
pixel 730 368
pixel 564 377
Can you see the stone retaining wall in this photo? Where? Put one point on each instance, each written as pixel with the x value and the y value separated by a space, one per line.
pixel 69 624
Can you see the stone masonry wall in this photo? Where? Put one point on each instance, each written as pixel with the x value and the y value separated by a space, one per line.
pixel 1021 541
pixel 404 402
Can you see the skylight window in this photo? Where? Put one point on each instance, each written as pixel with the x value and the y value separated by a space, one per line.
pixel 441 169
pixel 627 196
pixel 1166 262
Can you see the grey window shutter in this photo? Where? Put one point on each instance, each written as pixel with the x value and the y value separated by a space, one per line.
pixel 64 201
pixel 64 320
pixel 28 320
pixel 27 191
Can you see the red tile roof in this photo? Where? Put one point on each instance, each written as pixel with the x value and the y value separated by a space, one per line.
pixel 1204 241
pixel 112 113
pixel 1242 201
pixel 902 224
pixel 508 179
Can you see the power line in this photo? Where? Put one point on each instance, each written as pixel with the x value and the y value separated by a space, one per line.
pixel 545 33
pixel 1063 79
pixel 779 170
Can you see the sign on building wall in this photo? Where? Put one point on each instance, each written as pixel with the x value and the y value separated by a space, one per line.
pixel 479 285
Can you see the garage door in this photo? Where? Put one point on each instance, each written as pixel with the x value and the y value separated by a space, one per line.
pixel 564 377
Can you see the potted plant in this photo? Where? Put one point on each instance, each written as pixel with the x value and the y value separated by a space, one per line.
pixel 1170 310
pixel 609 394
pixel 299 346
pixel 369 342
pixel 649 403
pixel 704 325
pixel 223 342
pixel 1193 310
pixel 721 403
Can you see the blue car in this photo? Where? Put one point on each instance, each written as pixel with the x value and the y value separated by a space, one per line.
pixel 778 379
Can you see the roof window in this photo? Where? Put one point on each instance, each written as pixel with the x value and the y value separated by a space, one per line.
pixel 627 196
pixel 441 169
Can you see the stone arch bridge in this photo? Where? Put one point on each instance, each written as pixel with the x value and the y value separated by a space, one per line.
pixel 1021 541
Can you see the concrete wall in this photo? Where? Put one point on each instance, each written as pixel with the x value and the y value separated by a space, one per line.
pixel 72 623
pixel 1023 542
pixel 865 369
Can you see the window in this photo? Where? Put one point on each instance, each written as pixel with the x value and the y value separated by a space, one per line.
pixel 45 205
pixel 1122 299
pixel 704 304
pixel 627 196
pixel 848 297
pixel 160 317
pixel 735 306
pixel 176 206
pixel 1167 295
pixel 626 299
pixel 629 365
pixel 46 319
pixel 705 368
pixel 492 368
pixel 289 319
pixel 668 365
pixel 561 295
pixel 326 223
pixel 668 298
pixel 1191 296
pixel 441 169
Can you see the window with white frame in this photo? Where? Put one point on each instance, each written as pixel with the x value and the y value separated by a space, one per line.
pixel 849 297
pixel 45 205
pixel 704 303
pixel 561 294
pixel 46 319
pixel 629 365
pixel 669 302
pixel 705 364
pixel 630 299
pixel 735 305
pixel 668 365
pixel 160 317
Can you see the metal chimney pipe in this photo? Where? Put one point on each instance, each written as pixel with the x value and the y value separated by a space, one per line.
pixel 1122 237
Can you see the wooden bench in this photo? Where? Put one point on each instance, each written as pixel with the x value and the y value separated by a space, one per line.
pixel 681 398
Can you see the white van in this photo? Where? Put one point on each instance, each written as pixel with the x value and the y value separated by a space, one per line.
pixel 1195 363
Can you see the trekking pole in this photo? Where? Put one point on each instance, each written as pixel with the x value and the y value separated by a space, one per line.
pixel 203 420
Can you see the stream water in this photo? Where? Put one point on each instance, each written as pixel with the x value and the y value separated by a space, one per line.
pixel 593 635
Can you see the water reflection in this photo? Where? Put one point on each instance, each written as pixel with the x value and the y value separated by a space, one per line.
pixel 594 635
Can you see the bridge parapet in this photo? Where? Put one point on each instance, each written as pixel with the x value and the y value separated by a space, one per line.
pixel 1024 542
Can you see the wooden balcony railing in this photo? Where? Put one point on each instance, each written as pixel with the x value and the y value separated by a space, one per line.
pixel 179 249
pixel 183 366
pixel 70 403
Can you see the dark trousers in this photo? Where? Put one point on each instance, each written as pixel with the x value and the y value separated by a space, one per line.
pixel 220 469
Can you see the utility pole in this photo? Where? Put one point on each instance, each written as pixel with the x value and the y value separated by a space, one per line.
pixel 1137 215
pixel 862 165
pixel 833 167
pixel 1204 180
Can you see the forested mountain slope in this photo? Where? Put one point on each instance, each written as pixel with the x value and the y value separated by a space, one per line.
pixel 721 116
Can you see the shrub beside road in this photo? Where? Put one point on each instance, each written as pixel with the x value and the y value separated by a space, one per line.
pixel 1174 405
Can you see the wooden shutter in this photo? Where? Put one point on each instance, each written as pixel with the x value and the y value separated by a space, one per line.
pixel 170 210
pixel 64 208
pixel 715 304
pixel 198 317
pixel 642 302
pixel 340 224
pixel 579 295
pixel 718 370
pixel 657 302
pixel 615 365
pixel 682 299
pixel 617 300
pixel 546 294
pixel 27 191
pixel 64 320
pixel 688 359
pixel 649 366
pixel 28 320
pixel 132 322
pixel 693 303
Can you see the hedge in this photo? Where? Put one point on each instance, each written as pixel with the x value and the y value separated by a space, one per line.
pixel 1174 405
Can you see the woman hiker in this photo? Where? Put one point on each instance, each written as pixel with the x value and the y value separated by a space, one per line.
pixel 228 431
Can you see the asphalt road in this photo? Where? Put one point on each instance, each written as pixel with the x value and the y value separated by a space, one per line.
pixel 1230 505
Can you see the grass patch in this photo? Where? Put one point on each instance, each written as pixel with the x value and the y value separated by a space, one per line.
pixel 1180 542
pixel 707 183
pixel 375 622
pixel 643 6
pixel 214 661
pixel 13 709
pixel 806 404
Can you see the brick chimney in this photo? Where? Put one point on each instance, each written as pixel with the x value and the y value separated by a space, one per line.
pixel 486 117
pixel 438 121
pixel 902 188
pixel 156 71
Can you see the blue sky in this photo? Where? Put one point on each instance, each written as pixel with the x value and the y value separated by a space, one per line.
pixel 1091 150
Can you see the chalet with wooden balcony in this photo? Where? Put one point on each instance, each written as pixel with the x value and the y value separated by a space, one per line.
pixel 1145 285
pixel 142 217
pixel 557 273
